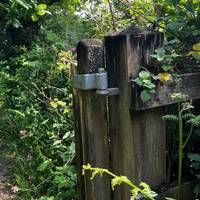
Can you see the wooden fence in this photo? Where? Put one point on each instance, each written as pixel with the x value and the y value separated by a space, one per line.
pixel 119 132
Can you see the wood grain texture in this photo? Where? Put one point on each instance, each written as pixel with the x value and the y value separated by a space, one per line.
pixel 78 141
pixel 138 138
pixel 91 129
pixel 187 192
pixel 189 85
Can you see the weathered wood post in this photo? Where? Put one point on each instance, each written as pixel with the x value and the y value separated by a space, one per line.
pixel 91 125
pixel 138 138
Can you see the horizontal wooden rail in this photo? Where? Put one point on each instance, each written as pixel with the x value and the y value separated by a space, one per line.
pixel 189 85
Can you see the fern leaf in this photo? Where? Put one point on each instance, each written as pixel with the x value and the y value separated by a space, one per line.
pixel 188 116
pixel 173 118
pixel 194 121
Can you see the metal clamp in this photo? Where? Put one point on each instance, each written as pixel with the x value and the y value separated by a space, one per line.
pixel 97 81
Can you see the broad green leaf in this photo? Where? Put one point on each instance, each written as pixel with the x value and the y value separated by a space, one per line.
pixel 72 147
pixel 57 142
pixel 194 156
pixel 144 75
pixel 196 165
pixel 66 135
pixel 59 179
pixel 145 96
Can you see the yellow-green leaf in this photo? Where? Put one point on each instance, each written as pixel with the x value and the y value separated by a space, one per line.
pixel 42 7
pixel 34 18
pixel 196 47
pixel 53 104
pixel 41 12
pixel 164 77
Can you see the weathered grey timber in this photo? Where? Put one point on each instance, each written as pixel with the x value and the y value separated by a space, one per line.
pixel 91 124
pixel 137 138
pixel 189 85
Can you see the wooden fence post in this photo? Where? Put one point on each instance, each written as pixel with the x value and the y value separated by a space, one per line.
pixel 138 138
pixel 91 125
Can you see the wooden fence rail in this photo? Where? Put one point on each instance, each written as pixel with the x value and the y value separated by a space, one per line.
pixel 125 135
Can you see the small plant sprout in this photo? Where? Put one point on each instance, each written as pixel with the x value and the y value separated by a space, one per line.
pixel 145 81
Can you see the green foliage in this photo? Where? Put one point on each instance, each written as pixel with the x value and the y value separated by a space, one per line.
pixel 184 113
pixel 35 95
pixel 143 189
pixel 167 55
pixel 195 159
pixel 170 118
pixel 36 101
pixel 144 80
pixel 40 116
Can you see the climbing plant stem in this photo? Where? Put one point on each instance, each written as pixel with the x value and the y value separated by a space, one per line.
pixel 180 160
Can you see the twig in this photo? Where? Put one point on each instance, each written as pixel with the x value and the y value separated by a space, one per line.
pixel 112 15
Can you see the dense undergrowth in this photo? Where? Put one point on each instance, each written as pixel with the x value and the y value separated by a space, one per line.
pixel 36 39
pixel 36 103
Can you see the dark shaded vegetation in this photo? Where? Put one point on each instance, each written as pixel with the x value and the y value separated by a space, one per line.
pixel 36 117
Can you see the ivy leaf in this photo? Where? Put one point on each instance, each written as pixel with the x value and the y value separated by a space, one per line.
pixel 145 96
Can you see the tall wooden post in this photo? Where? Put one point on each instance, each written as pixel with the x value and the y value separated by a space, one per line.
pixel 91 125
pixel 138 138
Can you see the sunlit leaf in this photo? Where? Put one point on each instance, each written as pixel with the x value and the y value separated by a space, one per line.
pixel 34 18
pixel 164 77
pixel 42 7
pixel 196 47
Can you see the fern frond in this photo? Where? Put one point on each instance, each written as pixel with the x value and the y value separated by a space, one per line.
pixel 188 116
pixel 173 118
pixel 194 121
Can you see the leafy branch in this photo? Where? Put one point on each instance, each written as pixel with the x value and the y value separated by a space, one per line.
pixel 145 189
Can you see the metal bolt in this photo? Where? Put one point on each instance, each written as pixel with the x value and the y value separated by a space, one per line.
pixel 101 70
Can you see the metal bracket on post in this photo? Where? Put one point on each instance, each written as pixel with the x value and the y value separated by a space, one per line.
pixel 97 81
